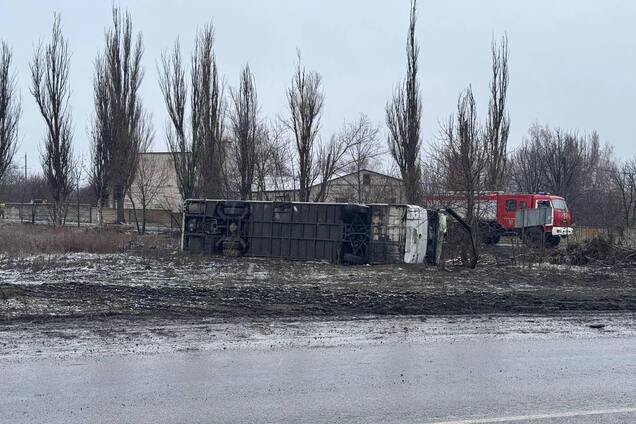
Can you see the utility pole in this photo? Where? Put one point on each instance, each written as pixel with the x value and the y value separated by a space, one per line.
pixel 78 198
pixel 23 187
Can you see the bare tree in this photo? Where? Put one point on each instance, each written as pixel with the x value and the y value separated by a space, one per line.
pixel 623 177
pixel 362 153
pixel 365 153
pixel 10 110
pixel 434 181
pixel 195 146
pixel 528 174
pixel 463 159
pixel 498 123
pixel 264 164
pixel 122 73
pixel 353 149
pixel 595 201
pixel 274 156
pixel 151 177
pixel 100 172
pixel 598 158
pixel 554 160
pixel 50 88
pixel 305 100
pixel 9 183
pixel 207 101
pixel 403 118
pixel 564 159
pixel 330 160
pixel 185 147
pixel 247 132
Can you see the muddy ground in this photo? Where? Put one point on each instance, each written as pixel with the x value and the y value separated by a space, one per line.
pixel 55 288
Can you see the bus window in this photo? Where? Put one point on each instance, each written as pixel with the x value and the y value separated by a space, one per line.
pixel 511 205
pixel 523 204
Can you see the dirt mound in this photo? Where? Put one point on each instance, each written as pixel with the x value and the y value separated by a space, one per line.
pixel 597 251
pixel 80 286
pixel 8 291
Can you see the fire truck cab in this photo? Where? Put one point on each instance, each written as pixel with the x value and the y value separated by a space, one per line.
pixel 512 209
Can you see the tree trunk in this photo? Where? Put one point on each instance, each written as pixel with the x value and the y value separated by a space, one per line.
pixel 121 218
pixel 118 194
pixel 143 219
pixel 100 213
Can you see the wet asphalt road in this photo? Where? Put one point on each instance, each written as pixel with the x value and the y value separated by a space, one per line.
pixel 463 380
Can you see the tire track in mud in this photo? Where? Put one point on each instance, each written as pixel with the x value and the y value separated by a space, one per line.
pixel 76 300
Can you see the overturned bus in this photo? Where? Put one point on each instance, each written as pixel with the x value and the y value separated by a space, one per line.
pixel 340 233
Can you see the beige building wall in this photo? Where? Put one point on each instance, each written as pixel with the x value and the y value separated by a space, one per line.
pixel 365 187
pixel 160 173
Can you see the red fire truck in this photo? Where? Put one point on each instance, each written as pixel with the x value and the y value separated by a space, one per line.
pixel 537 218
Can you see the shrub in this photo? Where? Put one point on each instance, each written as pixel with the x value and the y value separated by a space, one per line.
pixel 18 240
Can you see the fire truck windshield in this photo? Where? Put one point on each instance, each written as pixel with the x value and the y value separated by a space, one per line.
pixel 559 204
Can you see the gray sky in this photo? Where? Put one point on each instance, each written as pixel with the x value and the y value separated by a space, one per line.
pixel 572 62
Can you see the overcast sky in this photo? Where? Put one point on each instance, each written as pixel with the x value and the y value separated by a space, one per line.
pixel 572 63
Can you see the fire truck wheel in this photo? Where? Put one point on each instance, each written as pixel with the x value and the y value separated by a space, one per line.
pixel 491 238
pixel 490 232
pixel 552 241
pixel 533 237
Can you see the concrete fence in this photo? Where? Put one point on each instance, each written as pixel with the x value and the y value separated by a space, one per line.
pixel 622 236
pixel 40 213
pixel 86 214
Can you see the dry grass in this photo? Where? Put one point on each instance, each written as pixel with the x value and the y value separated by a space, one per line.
pixel 21 240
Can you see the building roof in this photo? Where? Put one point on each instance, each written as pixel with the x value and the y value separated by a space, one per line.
pixel 334 179
pixel 368 171
pixel 155 153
